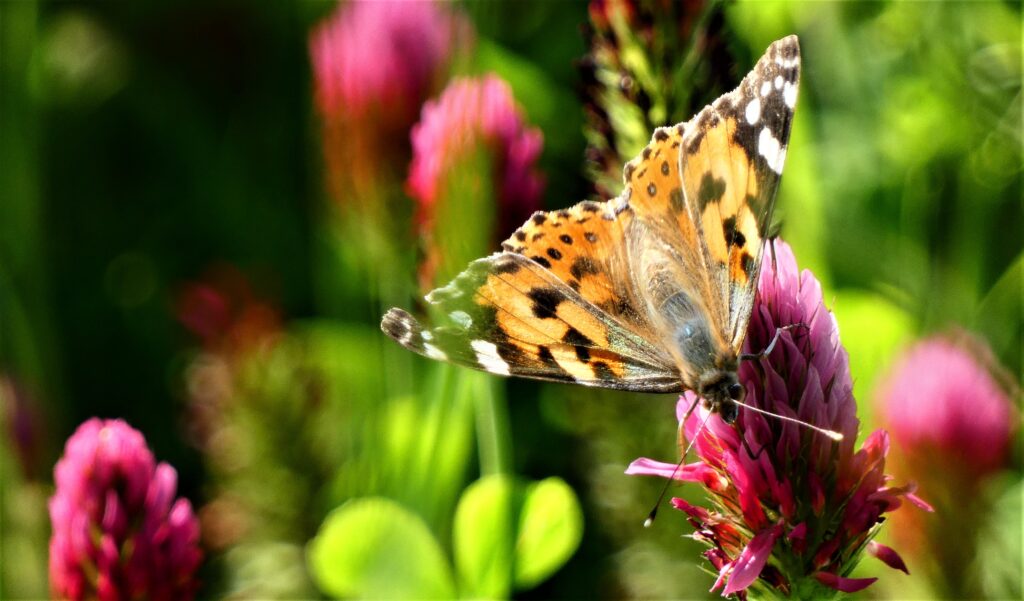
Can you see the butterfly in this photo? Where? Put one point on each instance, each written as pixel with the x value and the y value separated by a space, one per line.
pixel 650 291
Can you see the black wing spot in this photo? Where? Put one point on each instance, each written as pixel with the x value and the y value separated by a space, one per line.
pixel 554 253
pixel 748 264
pixel 583 266
pixel 502 267
pixel 711 190
pixel 675 198
pixel 545 356
pixel 660 135
pixel 575 285
pixel 628 173
pixel 664 168
pixel 520 235
pixel 542 262
pixel 732 235
pixel 647 153
pixel 580 342
pixel 590 236
pixel 591 206
pixel 564 214
pixel 566 238
pixel 545 302
pixel 652 189
pixel 602 371
pixel 539 218
pixel 537 236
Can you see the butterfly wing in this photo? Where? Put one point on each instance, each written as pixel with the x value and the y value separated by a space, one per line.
pixel 721 194
pixel 562 302
pixel 510 315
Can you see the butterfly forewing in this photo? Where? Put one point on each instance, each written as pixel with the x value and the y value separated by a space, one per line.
pixel 733 159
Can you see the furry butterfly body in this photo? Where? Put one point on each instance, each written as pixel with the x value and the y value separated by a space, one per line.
pixel 650 291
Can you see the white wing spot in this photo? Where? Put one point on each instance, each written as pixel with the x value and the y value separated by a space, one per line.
pixel 433 352
pixel 462 319
pixel 427 336
pixel 771 150
pixel 406 338
pixel 488 358
pixel 778 82
pixel 766 88
pixel 753 111
pixel 789 94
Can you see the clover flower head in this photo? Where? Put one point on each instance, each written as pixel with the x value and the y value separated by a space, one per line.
pixel 380 56
pixel 374 63
pixel 474 114
pixel 791 508
pixel 942 402
pixel 118 532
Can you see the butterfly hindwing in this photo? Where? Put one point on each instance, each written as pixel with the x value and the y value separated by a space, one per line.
pixel 509 315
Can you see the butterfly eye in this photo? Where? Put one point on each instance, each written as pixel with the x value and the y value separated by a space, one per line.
pixel 736 391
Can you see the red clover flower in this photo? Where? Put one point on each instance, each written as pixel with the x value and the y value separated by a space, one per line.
pixel 118 532
pixel 791 509
pixel 374 63
pixel 474 116
pixel 950 410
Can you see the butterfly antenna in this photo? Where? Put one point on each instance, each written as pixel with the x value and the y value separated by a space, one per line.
pixel 830 433
pixel 654 511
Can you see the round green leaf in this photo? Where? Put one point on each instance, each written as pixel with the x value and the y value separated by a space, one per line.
pixel 482 537
pixel 375 548
pixel 550 529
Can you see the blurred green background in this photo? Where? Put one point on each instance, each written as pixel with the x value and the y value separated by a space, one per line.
pixel 145 147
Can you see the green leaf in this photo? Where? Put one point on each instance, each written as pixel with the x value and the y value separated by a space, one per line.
pixel 374 548
pixel 482 537
pixel 550 529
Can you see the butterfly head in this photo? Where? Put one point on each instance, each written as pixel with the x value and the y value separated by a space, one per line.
pixel 721 391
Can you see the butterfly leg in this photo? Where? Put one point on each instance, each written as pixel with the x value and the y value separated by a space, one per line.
pixel 771 345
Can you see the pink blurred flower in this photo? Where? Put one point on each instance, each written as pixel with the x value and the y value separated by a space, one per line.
pixel 792 508
pixel 376 56
pixel 118 532
pixel 473 118
pixel 949 409
pixel 475 114
pixel 942 404
pixel 374 63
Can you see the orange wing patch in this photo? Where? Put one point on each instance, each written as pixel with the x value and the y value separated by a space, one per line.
pixel 584 247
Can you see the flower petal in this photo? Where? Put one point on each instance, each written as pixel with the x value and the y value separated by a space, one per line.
pixel 916 500
pixel 845 585
pixel 722 573
pixel 698 513
pixel 691 472
pixel 749 564
pixel 887 555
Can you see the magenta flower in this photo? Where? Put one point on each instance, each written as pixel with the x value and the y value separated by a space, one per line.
pixel 473 118
pixel 374 64
pixel 381 57
pixel 118 532
pixel 952 420
pixel 475 114
pixel 942 404
pixel 791 509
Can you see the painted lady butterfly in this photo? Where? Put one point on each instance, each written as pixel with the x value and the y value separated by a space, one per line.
pixel 650 291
